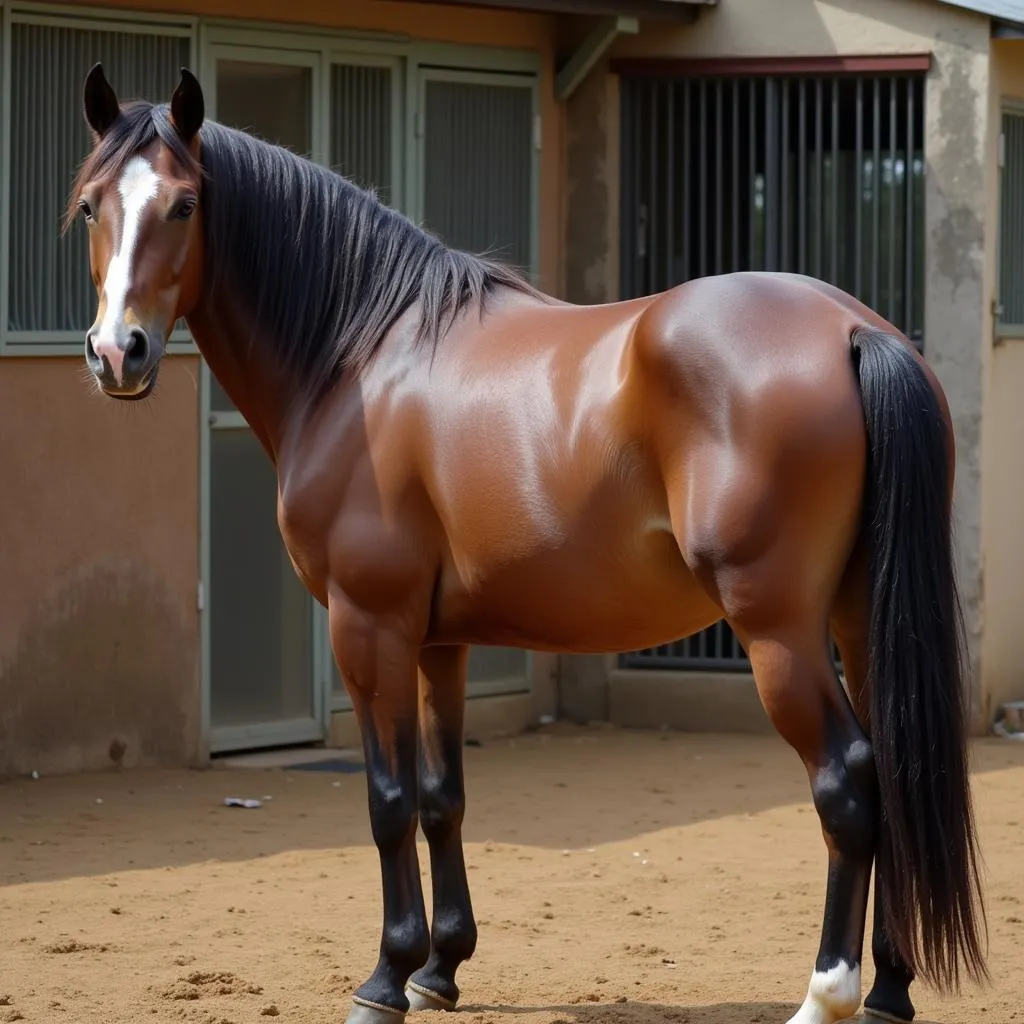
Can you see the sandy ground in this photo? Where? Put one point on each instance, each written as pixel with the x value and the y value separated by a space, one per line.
pixel 619 878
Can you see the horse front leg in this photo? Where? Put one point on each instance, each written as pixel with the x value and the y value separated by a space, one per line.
pixel 378 664
pixel 442 801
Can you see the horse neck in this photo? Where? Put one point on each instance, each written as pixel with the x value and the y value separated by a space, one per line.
pixel 243 365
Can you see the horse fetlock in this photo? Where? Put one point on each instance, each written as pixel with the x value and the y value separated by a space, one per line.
pixel 405 943
pixel 889 998
pixel 454 934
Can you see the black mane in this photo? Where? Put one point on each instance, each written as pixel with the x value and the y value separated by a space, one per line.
pixel 323 267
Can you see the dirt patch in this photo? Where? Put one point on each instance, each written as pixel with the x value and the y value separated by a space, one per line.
pixel 74 946
pixel 618 878
pixel 209 983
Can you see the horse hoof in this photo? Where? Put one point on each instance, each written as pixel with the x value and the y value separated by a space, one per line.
pixel 421 998
pixel 876 1017
pixel 373 1013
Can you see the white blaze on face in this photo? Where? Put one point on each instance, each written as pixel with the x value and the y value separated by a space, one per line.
pixel 138 185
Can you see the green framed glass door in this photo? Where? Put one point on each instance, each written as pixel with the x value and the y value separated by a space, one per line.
pixel 264 688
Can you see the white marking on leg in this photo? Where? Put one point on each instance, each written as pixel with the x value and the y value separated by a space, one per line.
pixel 138 185
pixel 831 996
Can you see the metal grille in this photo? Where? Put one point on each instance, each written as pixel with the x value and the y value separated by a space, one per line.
pixel 361 103
pixel 716 647
pixel 1011 228
pixel 814 174
pixel 50 287
pixel 478 167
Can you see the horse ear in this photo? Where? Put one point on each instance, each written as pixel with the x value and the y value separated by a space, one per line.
pixel 187 106
pixel 101 106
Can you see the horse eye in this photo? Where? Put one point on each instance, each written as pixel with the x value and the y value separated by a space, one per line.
pixel 184 209
pixel 85 208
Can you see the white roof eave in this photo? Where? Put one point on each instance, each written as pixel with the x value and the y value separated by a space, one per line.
pixel 1005 10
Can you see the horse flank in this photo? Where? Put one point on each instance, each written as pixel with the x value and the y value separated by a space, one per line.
pixel 323 266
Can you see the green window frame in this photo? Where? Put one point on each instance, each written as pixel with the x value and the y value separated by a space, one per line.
pixel 492 93
pixel 1009 299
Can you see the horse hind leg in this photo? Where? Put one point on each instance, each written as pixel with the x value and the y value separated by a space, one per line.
pixel 889 997
pixel 800 690
pixel 773 557
pixel 442 802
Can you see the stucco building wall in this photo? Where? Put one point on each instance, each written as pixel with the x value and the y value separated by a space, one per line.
pixel 99 507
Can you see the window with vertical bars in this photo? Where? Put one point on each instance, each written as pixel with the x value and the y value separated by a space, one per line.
pixel 478 156
pixel 1010 319
pixel 49 288
pixel 361 126
pixel 814 174
pixel 822 175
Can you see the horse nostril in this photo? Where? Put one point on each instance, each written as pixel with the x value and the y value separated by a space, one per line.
pixel 94 362
pixel 137 352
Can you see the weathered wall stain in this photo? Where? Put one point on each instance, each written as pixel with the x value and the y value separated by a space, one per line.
pixel 107 659
pixel 957 233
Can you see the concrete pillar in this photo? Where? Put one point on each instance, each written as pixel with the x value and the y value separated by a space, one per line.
pixel 957 146
pixel 592 230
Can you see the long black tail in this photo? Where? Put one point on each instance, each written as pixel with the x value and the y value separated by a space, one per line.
pixel 927 857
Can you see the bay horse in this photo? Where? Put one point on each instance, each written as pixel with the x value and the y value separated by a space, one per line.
pixel 462 459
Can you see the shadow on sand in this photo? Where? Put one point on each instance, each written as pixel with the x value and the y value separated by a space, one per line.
pixel 626 1012
pixel 570 788
pixel 649 1013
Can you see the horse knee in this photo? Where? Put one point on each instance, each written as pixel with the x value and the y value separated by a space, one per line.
pixel 392 815
pixel 442 805
pixel 844 791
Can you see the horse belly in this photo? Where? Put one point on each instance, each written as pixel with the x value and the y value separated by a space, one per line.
pixel 580 597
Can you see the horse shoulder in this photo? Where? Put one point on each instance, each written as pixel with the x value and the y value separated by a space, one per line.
pixel 352 511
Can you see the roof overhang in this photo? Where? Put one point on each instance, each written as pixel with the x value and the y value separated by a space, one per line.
pixel 662 10
pixel 615 18
pixel 1006 10
pixel 1007 15
pixel 1007 29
